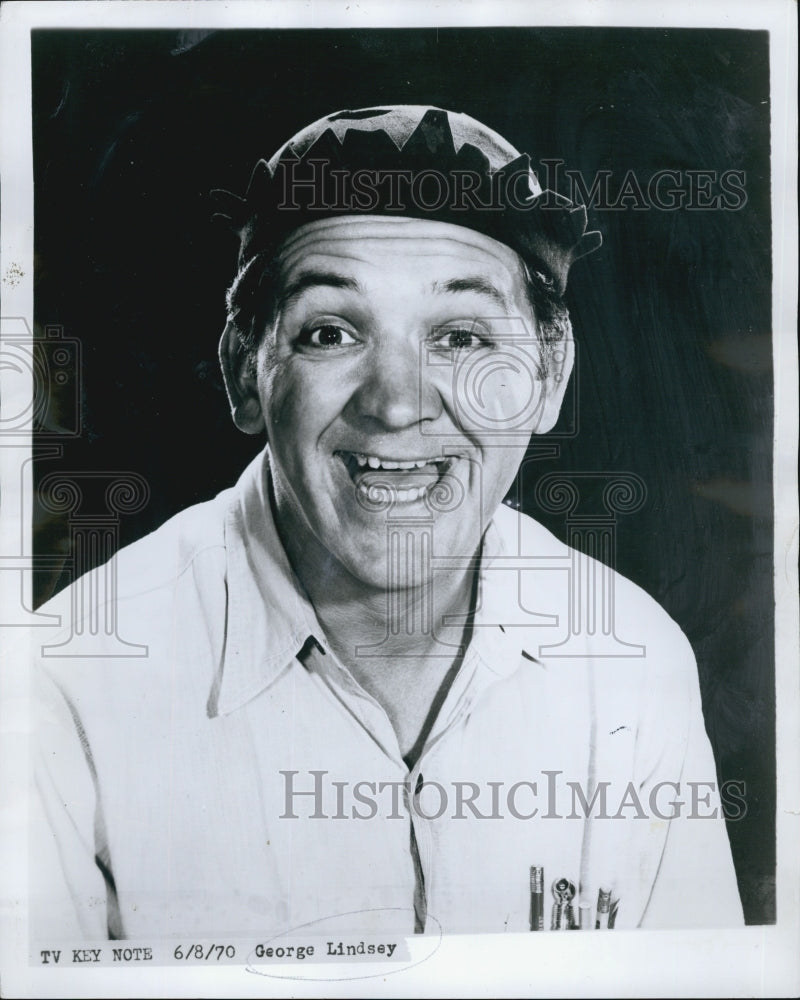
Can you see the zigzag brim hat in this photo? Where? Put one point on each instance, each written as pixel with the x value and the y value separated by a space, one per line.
pixel 412 161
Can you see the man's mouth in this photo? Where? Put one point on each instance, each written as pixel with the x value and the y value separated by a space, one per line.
pixel 403 480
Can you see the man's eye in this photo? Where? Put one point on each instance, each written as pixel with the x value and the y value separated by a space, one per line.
pixel 327 335
pixel 460 338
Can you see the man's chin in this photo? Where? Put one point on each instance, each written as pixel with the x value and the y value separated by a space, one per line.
pixel 400 553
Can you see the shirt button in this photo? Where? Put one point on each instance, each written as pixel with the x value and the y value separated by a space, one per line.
pixel 430 800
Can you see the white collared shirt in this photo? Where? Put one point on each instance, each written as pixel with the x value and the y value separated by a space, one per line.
pixel 232 778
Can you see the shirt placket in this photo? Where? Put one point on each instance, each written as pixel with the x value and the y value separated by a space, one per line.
pixel 471 682
pixel 491 645
pixel 370 717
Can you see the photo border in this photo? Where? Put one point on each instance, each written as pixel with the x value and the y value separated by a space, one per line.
pixel 756 961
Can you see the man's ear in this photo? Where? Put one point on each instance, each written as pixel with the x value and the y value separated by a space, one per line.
pixel 559 368
pixel 240 382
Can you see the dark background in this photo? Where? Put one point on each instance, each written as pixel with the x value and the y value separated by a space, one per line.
pixel 672 316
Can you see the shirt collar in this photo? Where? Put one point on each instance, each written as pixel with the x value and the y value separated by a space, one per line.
pixel 268 616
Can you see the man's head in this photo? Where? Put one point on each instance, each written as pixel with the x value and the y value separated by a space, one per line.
pixel 398 356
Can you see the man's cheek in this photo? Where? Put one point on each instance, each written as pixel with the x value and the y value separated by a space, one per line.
pixel 280 394
pixel 519 396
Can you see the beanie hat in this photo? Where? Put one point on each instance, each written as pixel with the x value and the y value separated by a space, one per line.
pixel 409 161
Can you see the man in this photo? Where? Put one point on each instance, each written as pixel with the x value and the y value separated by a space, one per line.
pixel 368 702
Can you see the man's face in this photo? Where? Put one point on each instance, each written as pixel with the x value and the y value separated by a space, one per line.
pixel 400 380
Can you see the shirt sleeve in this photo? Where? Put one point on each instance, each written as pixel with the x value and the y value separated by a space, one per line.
pixel 695 883
pixel 68 888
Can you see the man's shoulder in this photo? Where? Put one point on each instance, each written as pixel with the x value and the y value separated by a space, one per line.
pixel 169 551
pixel 141 571
pixel 591 627
pixel 560 580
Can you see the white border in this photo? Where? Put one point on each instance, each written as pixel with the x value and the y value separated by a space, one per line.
pixel 758 961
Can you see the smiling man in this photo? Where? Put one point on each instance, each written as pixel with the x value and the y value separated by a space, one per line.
pixel 357 387
pixel 356 710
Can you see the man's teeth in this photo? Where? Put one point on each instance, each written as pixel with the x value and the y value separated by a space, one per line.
pixel 383 463
pixel 379 493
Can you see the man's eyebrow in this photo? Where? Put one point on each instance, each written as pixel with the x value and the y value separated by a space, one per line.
pixel 314 279
pixel 473 283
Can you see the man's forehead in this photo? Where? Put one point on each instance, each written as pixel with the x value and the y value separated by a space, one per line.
pixel 409 244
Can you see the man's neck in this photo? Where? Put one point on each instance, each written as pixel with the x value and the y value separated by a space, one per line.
pixel 403 644
pixel 407 670
pixel 404 623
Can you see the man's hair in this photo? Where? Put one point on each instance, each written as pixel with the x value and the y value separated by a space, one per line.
pixel 252 302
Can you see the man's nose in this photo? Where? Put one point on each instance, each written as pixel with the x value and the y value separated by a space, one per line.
pixel 393 392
